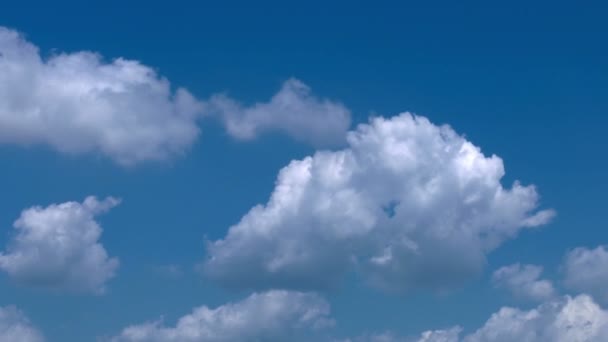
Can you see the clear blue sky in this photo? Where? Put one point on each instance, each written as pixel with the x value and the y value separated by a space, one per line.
pixel 525 81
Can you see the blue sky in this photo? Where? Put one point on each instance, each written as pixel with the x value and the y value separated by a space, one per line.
pixel 272 82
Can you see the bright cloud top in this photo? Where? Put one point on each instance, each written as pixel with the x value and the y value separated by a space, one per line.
pixel 14 326
pixel 586 270
pixel 58 248
pixel 270 316
pixel 524 282
pixel 408 204
pixel 293 110
pixel 77 103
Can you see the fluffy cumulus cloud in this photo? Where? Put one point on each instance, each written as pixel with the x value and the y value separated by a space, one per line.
pixel 408 204
pixel 58 248
pixel 567 319
pixel 586 270
pixel 564 319
pixel 80 103
pixel 77 103
pixel 14 326
pixel 293 110
pixel 284 315
pixel 524 282
pixel 270 316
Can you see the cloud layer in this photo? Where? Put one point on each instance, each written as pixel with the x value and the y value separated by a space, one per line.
pixel 408 204
pixel 270 316
pixel 524 282
pixel 58 248
pixel 282 315
pixel 293 110
pixel 77 103
pixel 14 326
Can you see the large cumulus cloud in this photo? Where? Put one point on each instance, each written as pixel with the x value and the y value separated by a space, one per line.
pixel 77 103
pixel 408 204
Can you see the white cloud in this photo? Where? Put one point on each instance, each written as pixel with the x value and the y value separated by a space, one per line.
pixel 563 319
pixel 79 103
pixel 14 326
pixel 293 111
pixel 524 282
pixel 270 316
pixel 586 270
pixel 408 204
pixel 57 248
pixel 577 319
pixel 447 335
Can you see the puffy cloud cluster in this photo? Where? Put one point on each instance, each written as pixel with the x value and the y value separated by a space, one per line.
pixel 57 248
pixel 586 270
pixel 293 110
pixel 14 326
pixel 282 315
pixel 568 319
pixel 408 204
pixel 564 319
pixel 524 282
pixel 80 103
pixel 269 316
pixel 77 103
